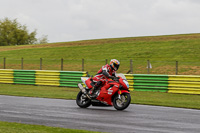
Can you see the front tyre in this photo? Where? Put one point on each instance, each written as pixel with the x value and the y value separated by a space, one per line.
pixel 122 102
pixel 82 100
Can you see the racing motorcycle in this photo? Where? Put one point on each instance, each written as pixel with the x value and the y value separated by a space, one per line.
pixel 117 95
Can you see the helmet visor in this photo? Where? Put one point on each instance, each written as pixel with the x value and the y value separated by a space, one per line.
pixel 116 67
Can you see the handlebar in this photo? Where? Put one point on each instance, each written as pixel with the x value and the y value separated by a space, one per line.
pixel 116 79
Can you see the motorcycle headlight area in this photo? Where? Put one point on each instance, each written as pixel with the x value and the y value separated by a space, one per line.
pixel 126 83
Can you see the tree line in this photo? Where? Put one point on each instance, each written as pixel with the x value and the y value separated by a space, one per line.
pixel 13 33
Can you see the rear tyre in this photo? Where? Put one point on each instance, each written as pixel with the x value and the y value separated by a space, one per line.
pixel 123 103
pixel 82 100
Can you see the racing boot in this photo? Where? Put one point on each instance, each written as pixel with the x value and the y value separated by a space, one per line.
pixel 94 89
pixel 94 95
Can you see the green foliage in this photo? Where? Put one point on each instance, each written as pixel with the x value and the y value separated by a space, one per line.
pixel 42 40
pixel 13 33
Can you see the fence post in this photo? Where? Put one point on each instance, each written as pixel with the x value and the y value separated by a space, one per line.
pixel 4 63
pixel 22 63
pixel 61 64
pixel 40 63
pixel 176 67
pixel 82 64
pixel 148 66
pixel 131 66
pixel 106 61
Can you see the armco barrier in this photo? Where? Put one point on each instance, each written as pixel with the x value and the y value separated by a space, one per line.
pixel 6 76
pixel 140 82
pixel 146 82
pixel 24 77
pixel 164 83
pixel 184 84
pixel 42 77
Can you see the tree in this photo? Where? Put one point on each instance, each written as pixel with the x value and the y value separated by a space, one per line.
pixel 13 33
pixel 43 39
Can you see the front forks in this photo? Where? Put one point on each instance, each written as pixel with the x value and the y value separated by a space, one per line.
pixel 119 96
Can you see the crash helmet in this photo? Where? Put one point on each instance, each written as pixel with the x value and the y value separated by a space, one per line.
pixel 114 64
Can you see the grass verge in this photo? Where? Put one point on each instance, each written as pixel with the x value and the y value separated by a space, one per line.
pixel 148 98
pixel 10 127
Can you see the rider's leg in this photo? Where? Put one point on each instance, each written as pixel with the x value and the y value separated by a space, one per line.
pixel 89 83
pixel 104 88
pixel 103 91
pixel 96 86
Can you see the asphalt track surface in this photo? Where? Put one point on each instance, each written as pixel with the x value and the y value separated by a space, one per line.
pixel 66 114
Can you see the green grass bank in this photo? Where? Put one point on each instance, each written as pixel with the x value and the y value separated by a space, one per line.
pixel 162 51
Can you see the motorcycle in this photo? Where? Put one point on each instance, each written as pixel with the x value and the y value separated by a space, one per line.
pixel 116 95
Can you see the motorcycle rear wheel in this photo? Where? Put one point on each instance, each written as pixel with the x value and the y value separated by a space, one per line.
pixel 123 103
pixel 82 102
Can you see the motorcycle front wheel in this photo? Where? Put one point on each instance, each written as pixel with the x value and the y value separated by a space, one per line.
pixel 82 100
pixel 122 102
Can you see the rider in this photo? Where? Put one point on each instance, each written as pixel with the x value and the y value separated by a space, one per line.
pixel 107 71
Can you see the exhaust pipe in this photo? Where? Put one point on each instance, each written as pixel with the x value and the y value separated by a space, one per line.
pixel 82 88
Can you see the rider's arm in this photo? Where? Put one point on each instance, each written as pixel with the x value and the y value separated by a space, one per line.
pixel 107 74
pixel 114 74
